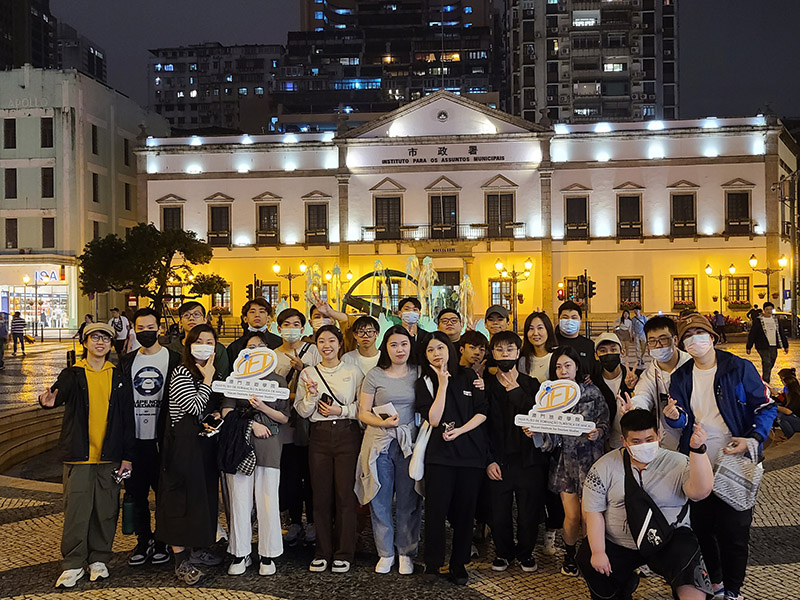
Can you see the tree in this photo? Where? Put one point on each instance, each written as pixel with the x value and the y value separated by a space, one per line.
pixel 207 285
pixel 145 262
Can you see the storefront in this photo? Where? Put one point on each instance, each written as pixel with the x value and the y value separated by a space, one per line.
pixel 44 294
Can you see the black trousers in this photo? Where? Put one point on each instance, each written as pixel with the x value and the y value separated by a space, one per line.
pixel 450 492
pixel 724 536
pixel 526 485
pixel 144 477
pixel 679 563
pixel 554 511
pixel 768 358
pixel 295 486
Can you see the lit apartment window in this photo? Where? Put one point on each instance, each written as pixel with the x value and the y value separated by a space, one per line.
pixel 259 91
pixel 613 67
pixel 683 293
pixel 169 68
pixel 585 18
pixel 630 292
pixel 318 15
pixel 243 91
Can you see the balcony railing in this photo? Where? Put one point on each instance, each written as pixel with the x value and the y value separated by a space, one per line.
pixel 629 229
pixel 435 231
pixel 219 239
pixel 317 237
pixel 267 238
pixel 577 231
pixel 683 229
pixel 738 227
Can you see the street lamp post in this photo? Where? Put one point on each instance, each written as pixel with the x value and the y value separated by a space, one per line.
pixel 515 277
pixel 276 268
pixel 26 280
pixel 720 277
pixel 782 262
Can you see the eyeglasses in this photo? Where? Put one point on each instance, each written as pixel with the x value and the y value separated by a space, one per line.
pixel 194 315
pixel 660 342
pixel 99 337
pixel 365 333
pixel 452 321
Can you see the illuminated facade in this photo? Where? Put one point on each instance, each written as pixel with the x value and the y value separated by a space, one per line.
pixel 643 207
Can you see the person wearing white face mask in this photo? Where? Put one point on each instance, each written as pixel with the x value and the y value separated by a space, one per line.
pixel 408 309
pixel 726 394
pixel 187 507
pixel 294 355
pixel 652 391
pixel 256 315
pixel 568 334
pixel 642 486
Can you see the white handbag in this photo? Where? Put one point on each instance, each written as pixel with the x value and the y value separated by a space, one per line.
pixel 737 477
pixel 416 466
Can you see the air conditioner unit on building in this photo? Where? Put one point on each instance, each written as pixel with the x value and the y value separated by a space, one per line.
pixel 563 99
pixel 564 29
pixel 637 25
pixel 637 2
pixel 634 96
pixel 667 52
pixel 652 96
pixel 635 50
pixel 538 35
pixel 637 114
pixel 565 51
pixel 551 98
pixel 25 250
pixel 636 74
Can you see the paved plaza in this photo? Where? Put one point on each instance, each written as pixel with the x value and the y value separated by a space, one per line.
pixel 31 519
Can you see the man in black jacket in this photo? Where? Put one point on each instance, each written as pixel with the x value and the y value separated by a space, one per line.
pixel 256 314
pixel 147 371
pixel 517 469
pixel 766 336
pixel 97 438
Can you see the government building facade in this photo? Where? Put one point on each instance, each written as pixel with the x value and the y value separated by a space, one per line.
pixel 646 209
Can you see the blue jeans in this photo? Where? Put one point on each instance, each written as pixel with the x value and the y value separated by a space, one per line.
pixel 789 424
pixel 394 479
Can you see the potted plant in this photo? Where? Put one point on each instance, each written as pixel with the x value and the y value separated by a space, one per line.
pixel 714 298
pixel 761 295
pixel 739 305
pixel 683 305
pixel 775 295
pixel 630 305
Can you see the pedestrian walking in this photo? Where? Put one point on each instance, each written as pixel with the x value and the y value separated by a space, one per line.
pixel 639 340
pixel 766 335
pixel 382 470
pixel 718 322
pixel 327 395
pixel 253 482
pixel 753 312
pixel 147 371
pixel 18 332
pixel 725 394
pixel 121 326
pixel 88 319
pixel 97 446
pixel 452 400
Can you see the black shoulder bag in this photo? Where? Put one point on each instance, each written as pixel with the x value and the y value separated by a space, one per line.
pixel 649 527
pixel 333 396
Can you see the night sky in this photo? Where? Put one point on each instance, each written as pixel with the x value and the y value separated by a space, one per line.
pixel 736 56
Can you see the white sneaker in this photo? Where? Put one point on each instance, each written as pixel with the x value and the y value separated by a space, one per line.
pixel 406 565
pixel 98 570
pixel 70 577
pixel 549 543
pixel 239 565
pixel 266 566
pixel 340 566
pixel 318 565
pixel 384 564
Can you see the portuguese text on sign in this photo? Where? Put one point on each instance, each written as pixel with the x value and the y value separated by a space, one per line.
pixel 246 380
pixel 549 413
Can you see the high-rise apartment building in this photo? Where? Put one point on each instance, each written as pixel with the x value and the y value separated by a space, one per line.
pixel 76 51
pixel 27 34
pixel 205 85
pixel 593 60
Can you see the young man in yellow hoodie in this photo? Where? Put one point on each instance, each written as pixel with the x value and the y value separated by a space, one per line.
pixel 97 438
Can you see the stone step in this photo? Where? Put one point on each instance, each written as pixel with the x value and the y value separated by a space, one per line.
pixel 26 432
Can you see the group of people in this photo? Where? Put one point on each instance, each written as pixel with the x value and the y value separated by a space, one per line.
pixel 349 435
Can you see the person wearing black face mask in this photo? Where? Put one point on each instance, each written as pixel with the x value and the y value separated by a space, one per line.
pixel 517 468
pixel 146 372
pixel 616 382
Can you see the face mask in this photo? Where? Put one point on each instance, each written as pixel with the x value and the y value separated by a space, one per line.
pixel 147 338
pixel 261 329
pixel 569 326
pixel 698 345
pixel 610 362
pixel 410 318
pixel 506 365
pixel 662 354
pixel 202 351
pixel 291 335
pixel 644 453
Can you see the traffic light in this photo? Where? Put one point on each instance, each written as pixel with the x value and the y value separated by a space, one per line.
pixel 561 293
pixel 249 291
pixel 259 289
pixel 592 291
pixel 580 291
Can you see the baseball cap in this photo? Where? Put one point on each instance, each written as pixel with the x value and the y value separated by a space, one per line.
pixel 695 320
pixel 101 327
pixel 607 337
pixel 496 309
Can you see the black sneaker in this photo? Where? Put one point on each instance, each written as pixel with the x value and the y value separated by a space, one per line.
pixel 499 564
pixel 431 574
pixel 458 575
pixel 569 567
pixel 142 552
pixel 160 554
pixel 528 564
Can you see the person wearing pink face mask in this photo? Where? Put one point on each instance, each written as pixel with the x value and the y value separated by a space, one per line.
pixel 726 394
